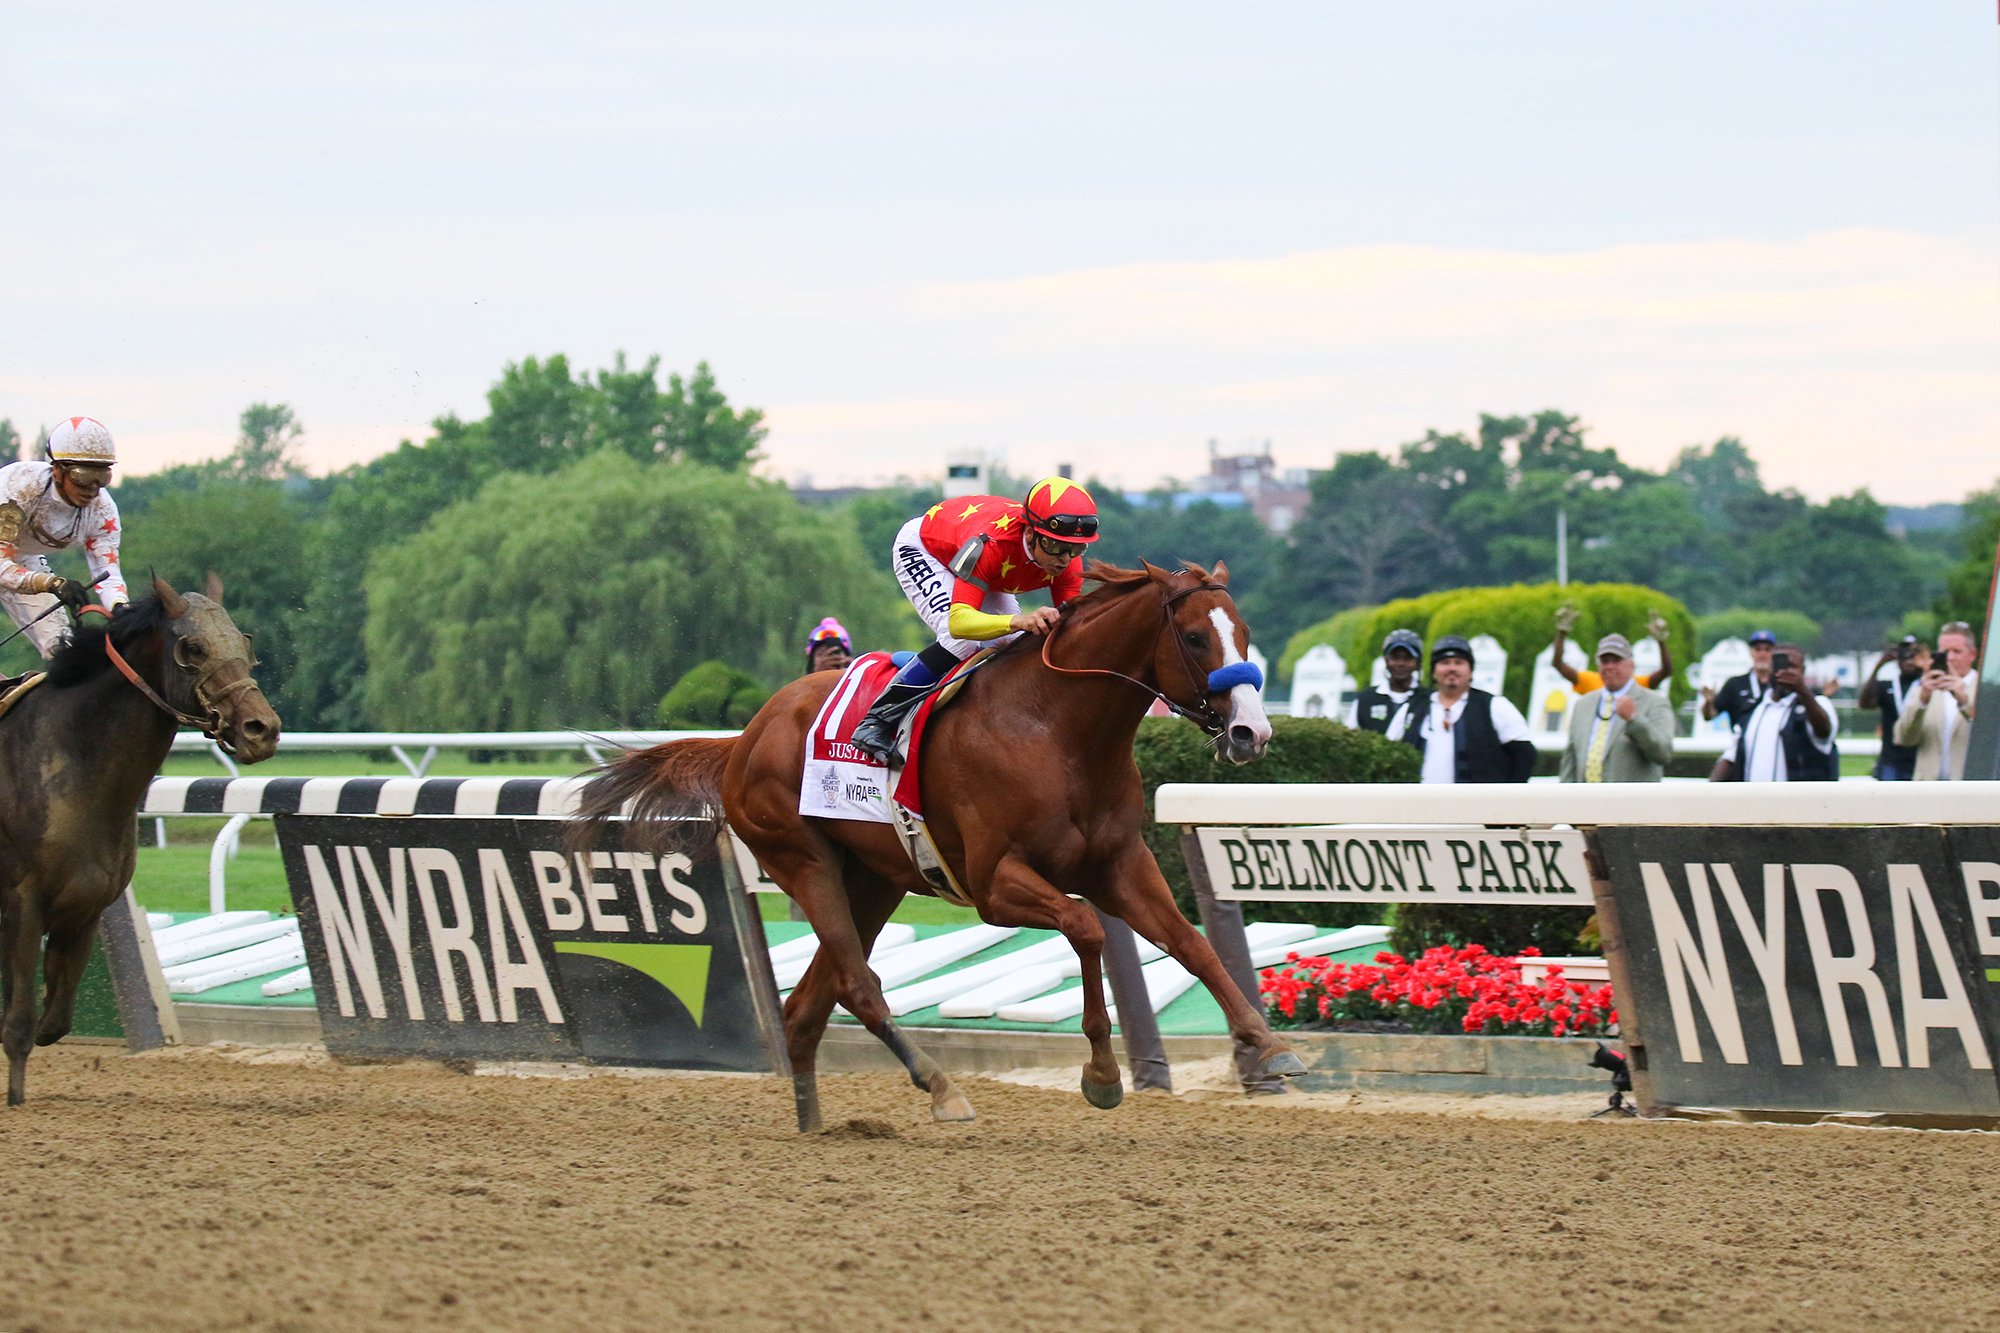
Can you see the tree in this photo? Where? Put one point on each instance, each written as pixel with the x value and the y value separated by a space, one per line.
pixel 712 697
pixel 252 534
pixel 1371 532
pixel 1969 586
pixel 701 427
pixel 540 418
pixel 266 433
pixel 10 442
pixel 571 599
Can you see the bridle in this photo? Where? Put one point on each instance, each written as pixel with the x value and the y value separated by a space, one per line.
pixel 211 722
pixel 1202 713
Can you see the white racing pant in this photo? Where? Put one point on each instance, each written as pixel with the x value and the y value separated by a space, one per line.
pixel 928 584
pixel 47 634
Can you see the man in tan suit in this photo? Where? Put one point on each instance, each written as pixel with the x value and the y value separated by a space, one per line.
pixel 1623 732
pixel 1939 720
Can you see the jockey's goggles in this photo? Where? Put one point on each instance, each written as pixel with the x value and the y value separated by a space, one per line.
pixel 91 474
pixel 1078 527
pixel 1061 550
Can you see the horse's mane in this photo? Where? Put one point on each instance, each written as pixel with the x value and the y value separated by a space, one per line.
pixel 1112 582
pixel 83 658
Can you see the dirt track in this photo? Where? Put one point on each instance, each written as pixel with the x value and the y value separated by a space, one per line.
pixel 201 1190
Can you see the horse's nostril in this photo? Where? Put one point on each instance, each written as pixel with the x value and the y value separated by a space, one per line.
pixel 254 729
pixel 1242 735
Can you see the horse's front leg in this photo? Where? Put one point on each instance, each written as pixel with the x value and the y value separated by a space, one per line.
pixel 21 948
pixel 1138 894
pixel 1018 895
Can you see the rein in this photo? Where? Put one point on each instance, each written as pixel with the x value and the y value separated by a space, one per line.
pixel 210 725
pixel 1202 714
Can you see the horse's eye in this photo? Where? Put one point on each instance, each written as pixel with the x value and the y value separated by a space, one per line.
pixel 194 649
pixel 1196 639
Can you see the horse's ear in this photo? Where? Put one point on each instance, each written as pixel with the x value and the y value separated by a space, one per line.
pixel 1153 571
pixel 211 587
pixel 170 601
pixel 1220 574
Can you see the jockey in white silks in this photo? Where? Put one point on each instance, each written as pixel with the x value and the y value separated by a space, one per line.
pixel 59 505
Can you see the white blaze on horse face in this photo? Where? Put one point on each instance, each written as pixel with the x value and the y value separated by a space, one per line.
pixel 1246 703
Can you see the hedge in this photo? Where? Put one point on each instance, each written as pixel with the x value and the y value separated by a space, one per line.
pixel 1520 616
pixel 1303 749
pixel 712 696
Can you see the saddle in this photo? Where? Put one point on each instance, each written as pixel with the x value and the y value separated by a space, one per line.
pixel 15 688
pixel 840 782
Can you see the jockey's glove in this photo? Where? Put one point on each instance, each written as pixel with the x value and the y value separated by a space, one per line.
pixel 69 592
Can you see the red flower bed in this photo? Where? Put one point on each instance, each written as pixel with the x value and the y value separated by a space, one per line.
pixel 1444 990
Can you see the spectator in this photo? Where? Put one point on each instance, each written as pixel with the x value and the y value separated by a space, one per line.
pixel 1938 722
pixel 1621 732
pixel 1402 654
pixel 1740 695
pixel 1898 763
pixel 828 648
pixel 1788 736
pixel 1586 680
pixel 1464 735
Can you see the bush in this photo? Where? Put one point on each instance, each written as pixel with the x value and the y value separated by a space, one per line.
pixel 1737 623
pixel 711 697
pixel 1303 749
pixel 1505 930
pixel 1520 616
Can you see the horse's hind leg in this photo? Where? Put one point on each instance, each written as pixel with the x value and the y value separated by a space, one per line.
pixel 1138 895
pixel 861 992
pixel 1019 896
pixel 21 942
pixel 63 960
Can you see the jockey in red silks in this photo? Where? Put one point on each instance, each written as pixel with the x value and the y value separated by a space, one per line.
pixel 960 564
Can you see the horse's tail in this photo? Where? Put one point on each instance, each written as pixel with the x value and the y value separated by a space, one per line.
pixel 671 795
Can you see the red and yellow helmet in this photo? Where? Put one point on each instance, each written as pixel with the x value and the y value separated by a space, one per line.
pixel 1060 509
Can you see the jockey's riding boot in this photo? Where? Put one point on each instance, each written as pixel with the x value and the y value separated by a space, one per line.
pixel 876 735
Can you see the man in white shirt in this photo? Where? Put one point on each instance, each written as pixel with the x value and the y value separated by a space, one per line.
pixel 1939 720
pixel 1788 736
pixel 1464 735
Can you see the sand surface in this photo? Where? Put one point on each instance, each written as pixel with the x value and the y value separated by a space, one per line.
pixel 214 1189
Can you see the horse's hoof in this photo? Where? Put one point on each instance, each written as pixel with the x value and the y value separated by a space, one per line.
pixel 1283 1064
pixel 952 1109
pixel 1104 1096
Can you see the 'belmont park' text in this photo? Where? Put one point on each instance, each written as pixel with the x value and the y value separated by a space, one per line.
pixel 1406 863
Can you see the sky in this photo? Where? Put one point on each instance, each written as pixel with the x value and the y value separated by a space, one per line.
pixel 1101 235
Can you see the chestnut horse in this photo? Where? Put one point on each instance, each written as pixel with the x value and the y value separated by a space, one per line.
pixel 1031 794
pixel 76 755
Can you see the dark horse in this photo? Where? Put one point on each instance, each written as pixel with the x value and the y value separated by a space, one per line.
pixel 76 755
pixel 1031 794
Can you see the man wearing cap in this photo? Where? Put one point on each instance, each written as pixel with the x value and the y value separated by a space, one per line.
pixel 1788 736
pixel 1740 695
pixel 1464 735
pixel 1402 654
pixel 1893 697
pixel 59 505
pixel 1621 732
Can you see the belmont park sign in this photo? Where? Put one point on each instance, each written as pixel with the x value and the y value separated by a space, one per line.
pixel 1405 863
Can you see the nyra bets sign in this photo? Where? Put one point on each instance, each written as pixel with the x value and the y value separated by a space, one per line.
pixel 486 938
pixel 1814 969
pixel 1405 863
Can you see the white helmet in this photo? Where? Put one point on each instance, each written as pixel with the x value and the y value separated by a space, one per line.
pixel 82 440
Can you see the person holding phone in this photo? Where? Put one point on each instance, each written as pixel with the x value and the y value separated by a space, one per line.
pixel 1788 736
pixel 1938 721
pixel 1894 697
